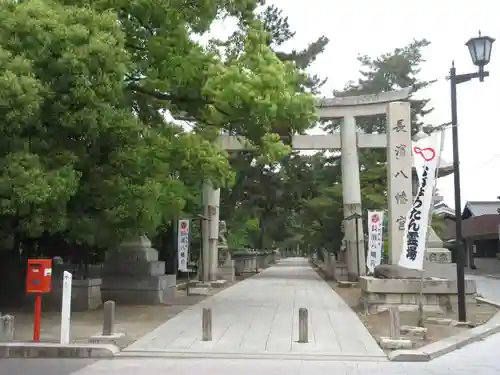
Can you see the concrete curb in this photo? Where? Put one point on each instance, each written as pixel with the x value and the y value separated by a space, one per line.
pixel 445 346
pixel 53 350
pixel 235 355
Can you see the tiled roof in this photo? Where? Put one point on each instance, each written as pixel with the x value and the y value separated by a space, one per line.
pixel 475 226
pixel 480 208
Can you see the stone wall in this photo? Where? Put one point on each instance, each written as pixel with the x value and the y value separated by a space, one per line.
pixel 85 294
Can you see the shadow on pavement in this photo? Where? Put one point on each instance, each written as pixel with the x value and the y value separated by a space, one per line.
pixel 56 366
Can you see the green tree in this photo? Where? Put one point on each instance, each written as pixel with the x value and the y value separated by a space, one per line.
pixel 88 155
pixel 253 195
pixel 74 158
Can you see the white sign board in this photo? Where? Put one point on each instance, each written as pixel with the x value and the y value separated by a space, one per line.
pixel 375 240
pixel 426 156
pixel 66 308
pixel 183 245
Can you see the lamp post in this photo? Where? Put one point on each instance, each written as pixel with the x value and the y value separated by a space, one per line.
pixel 480 53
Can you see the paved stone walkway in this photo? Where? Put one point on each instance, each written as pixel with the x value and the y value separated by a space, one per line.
pixel 260 316
pixel 480 358
pixel 488 287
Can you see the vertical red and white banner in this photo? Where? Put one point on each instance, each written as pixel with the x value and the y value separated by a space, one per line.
pixel 375 240
pixel 426 158
pixel 183 245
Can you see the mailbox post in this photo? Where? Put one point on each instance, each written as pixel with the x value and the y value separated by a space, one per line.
pixel 38 282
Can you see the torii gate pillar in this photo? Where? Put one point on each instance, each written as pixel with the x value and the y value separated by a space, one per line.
pixel 351 193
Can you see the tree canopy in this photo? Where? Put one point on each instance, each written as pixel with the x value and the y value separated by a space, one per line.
pixel 88 153
pixel 93 153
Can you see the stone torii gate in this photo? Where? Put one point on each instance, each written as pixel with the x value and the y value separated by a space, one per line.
pixel 397 140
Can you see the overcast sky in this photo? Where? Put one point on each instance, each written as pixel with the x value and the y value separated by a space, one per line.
pixel 374 27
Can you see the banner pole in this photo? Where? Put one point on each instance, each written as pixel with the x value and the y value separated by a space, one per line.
pixel 420 310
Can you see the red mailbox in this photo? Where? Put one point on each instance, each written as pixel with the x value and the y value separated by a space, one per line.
pixel 39 275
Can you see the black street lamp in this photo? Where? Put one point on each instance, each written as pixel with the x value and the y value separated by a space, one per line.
pixel 480 53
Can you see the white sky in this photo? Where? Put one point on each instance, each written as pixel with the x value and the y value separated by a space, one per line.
pixel 374 27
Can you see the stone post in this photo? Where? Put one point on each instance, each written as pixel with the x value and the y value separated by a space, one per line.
pixel 206 324
pixel 325 258
pixel 205 234
pixel 7 328
pixel 352 197
pixel 333 265
pixel 303 325
pixel 399 158
pixel 210 232
pixel 213 214
pixel 108 324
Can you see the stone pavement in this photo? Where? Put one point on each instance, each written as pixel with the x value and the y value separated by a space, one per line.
pixel 480 358
pixel 488 287
pixel 259 316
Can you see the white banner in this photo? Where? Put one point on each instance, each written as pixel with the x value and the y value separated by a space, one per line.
pixel 183 245
pixel 426 157
pixel 375 240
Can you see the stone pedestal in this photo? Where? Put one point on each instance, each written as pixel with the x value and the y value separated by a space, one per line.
pixel 132 274
pixel 437 261
pixel 245 262
pixel 332 265
pixel 401 286
pixel 341 273
pixel 439 294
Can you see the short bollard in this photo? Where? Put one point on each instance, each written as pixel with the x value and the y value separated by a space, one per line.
pixel 206 324
pixel 303 325
pixel 108 325
pixel 7 327
pixel 394 323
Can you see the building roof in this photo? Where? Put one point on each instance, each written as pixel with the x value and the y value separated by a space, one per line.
pixel 471 209
pixel 480 219
pixel 474 227
pixel 442 208
pixel 480 208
